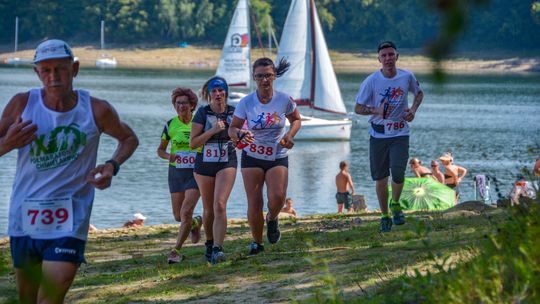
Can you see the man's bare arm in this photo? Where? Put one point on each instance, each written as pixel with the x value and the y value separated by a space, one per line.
pixel 109 123
pixel 15 133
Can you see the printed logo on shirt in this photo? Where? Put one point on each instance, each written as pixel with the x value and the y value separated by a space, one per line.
pixel 58 148
pixel 267 121
pixel 394 96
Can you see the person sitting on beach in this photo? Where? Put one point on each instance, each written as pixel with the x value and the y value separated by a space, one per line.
pixel 453 174
pixel 92 228
pixel 288 207
pixel 343 183
pixel 436 172
pixel 418 169
pixel 536 169
pixel 521 189
pixel 137 221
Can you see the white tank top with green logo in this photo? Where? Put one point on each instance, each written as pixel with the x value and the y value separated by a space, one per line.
pixel 50 197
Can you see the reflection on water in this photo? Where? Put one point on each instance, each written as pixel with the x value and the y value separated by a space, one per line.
pixel 488 122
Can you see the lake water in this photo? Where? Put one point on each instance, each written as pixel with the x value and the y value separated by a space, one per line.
pixel 488 122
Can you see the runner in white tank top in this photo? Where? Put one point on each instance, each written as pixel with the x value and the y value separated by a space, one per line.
pixel 56 130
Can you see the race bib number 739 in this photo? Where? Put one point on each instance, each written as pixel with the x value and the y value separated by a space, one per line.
pixel 40 216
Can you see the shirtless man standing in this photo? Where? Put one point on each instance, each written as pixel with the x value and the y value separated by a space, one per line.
pixel 343 184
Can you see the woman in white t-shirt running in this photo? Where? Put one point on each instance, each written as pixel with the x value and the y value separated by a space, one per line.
pixel 264 158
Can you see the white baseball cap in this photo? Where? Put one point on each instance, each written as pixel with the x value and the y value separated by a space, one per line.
pixel 52 49
pixel 139 216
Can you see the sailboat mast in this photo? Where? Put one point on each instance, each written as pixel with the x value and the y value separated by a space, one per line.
pixel 16 33
pixel 313 51
pixel 269 35
pixel 102 35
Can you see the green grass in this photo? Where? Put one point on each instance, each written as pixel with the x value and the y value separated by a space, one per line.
pixel 329 258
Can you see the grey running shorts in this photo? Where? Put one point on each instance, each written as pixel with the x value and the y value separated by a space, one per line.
pixel 181 180
pixel 389 154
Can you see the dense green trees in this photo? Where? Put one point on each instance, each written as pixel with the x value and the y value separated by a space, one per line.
pixel 506 24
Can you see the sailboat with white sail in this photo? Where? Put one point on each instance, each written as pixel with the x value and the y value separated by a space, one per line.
pixel 311 80
pixel 16 60
pixel 235 62
pixel 104 61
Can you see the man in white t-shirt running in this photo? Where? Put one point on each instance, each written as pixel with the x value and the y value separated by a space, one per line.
pixel 56 131
pixel 383 95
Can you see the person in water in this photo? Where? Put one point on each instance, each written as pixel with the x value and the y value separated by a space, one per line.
pixel 436 171
pixel 289 207
pixel 453 174
pixel 418 169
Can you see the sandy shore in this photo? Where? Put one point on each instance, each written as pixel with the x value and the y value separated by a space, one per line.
pixel 207 59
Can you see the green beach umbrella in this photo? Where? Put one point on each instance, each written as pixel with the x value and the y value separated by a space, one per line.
pixel 425 193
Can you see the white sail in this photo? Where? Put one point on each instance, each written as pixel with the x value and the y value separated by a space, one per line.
pixel 296 46
pixel 234 64
pixel 327 92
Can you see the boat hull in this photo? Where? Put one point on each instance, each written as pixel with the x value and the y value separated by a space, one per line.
pixel 106 63
pixel 17 61
pixel 317 129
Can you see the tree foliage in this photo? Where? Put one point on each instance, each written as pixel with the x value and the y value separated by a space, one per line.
pixel 440 24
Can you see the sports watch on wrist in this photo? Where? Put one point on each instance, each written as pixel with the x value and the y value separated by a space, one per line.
pixel 116 166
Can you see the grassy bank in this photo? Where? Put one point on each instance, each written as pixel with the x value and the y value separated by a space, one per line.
pixel 366 61
pixel 319 257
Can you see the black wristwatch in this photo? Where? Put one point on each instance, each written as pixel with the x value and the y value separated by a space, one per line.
pixel 115 164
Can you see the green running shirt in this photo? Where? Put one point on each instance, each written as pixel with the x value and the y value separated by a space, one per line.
pixel 177 133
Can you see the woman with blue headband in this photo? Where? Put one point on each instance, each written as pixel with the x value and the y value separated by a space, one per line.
pixel 215 165
pixel 264 159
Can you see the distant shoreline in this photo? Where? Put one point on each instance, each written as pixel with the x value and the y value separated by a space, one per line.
pixel 344 62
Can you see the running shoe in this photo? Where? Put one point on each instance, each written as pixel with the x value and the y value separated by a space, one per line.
pixel 399 217
pixel 175 257
pixel 272 230
pixel 386 224
pixel 208 253
pixel 195 233
pixel 217 255
pixel 255 248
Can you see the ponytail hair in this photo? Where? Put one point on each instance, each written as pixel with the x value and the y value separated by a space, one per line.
pixel 281 69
